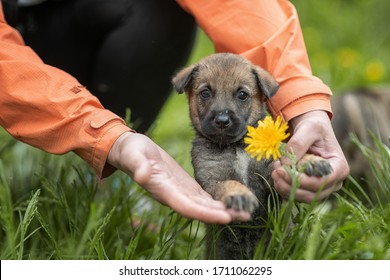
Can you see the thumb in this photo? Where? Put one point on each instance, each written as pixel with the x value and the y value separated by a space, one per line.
pixel 299 143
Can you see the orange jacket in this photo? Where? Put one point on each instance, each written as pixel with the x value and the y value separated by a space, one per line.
pixel 47 108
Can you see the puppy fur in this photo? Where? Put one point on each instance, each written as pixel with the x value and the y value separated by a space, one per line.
pixel 226 93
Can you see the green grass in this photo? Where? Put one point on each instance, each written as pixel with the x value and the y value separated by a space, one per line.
pixel 53 207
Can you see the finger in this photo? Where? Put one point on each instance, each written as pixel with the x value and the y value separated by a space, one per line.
pixel 187 208
pixel 340 169
pixel 313 184
pixel 208 211
pixel 305 196
pixel 208 201
pixel 201 198
pixel 308 190
pixel 282 182
pixel 339 172
pixel 276 164
pixel 242 216
pixel 299 143
pixel 191 203
pixel 308 197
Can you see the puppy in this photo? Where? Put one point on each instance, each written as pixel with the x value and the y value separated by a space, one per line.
pixel 361 111
pixel 226 93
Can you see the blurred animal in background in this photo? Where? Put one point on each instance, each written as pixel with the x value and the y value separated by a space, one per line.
pixel 364 113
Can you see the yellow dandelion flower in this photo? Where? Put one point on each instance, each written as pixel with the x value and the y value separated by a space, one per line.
pixel 375 70
pixel 347 57
pixel 265 139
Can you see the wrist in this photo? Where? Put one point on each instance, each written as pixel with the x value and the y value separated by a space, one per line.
pixel 116 150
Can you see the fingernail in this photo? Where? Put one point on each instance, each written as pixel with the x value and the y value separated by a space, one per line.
pixel 279 173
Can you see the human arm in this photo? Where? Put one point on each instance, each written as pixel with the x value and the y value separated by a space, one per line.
pixel 47 108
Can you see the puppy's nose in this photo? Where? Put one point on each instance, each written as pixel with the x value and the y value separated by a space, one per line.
pixel 222 120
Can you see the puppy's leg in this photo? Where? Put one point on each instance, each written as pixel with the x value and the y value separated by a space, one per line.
pixel 236 240
pixel 315 165
pixel 235 196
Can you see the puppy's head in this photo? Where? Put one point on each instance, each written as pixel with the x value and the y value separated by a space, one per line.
pixel 225 93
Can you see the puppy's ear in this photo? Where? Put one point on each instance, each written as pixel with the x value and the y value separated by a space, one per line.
pixel 265 81
pixel 182 80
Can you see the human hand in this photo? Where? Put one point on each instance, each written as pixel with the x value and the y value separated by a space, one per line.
pixel 312 132
pixel 157 172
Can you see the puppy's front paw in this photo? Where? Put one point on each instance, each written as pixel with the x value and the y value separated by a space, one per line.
pixel 316 166
pixel 246 202
pixel 235 196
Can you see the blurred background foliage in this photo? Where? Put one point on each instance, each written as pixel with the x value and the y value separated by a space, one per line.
pixel 347 40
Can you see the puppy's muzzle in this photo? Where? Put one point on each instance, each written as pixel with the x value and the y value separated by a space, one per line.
pixel 223 127
pixel 222 120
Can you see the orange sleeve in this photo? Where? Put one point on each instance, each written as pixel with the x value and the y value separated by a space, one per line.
pixel 269 34
pixel 47 108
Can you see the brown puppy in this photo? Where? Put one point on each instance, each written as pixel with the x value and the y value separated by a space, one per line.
pixel 360 112
pixel 226 93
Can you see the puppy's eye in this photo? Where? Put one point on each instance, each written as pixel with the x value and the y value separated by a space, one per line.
pixel 205 94
pixel 242 95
